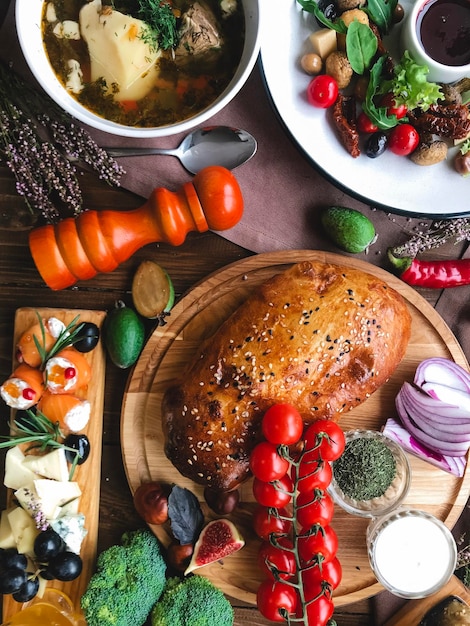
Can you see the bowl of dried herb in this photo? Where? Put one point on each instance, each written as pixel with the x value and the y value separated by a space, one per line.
pixel 373 475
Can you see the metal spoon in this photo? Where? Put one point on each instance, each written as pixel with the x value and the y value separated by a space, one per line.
pixel 214 145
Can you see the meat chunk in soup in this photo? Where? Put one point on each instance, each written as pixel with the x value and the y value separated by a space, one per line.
pixel 199 32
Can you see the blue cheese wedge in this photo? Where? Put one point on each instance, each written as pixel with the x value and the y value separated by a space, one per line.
pixel 72 530
pixel 44 500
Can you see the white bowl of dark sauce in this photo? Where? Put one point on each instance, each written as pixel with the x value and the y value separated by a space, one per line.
pixel 189 88
pixel 437 34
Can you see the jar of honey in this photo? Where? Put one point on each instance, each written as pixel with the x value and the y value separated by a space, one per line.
pixel 55 608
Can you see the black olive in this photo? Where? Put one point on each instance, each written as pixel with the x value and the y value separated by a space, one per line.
pixel 376 144
pixel 81 443
pixel 329 10
pixel 88 337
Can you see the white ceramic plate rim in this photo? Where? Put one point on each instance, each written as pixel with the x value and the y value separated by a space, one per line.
pixel 389 182
pixel 28 25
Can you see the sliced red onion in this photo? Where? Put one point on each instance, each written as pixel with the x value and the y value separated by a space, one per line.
pixel 448 395
pixel 426 418
pixel 444 372
pixel 434 408
pixel 430 437
pixel 453 465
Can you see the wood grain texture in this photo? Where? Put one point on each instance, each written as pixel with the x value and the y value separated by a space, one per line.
pixel 87 475
pixel 170 347
pixel 414 610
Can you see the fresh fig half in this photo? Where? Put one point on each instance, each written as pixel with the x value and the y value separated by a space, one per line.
pixel 218 539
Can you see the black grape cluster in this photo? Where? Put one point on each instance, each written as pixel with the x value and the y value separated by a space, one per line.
pixel 51 561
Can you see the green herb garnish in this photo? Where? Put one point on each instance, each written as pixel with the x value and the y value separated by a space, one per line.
pixel 312 7
pixel 361 46
pixel 365 470
pixel 67 337
pixel 377 115
pixel 381 13
pixel 38 430
pixel 161 21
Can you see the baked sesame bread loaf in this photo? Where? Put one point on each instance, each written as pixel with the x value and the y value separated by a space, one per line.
pixel 322 337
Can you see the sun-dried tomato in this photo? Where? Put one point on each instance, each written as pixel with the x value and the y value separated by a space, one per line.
pixel 449 120
pixel 344 117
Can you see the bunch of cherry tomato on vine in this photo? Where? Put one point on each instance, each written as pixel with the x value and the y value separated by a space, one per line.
pixel 292 472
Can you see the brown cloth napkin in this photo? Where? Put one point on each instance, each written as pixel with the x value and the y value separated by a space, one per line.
pixel 283 195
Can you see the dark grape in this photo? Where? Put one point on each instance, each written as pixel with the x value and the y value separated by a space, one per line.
pixel 89 335
pixel 12 559
pixel 28 590
pixel 11 579
pixel 81 443
pixel 48 544
pixel 65 566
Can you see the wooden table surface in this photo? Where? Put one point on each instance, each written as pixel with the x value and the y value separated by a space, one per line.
pixel 21 286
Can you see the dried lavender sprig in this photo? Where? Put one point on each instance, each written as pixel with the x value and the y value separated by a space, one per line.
pixel 439 233
pixel 33 144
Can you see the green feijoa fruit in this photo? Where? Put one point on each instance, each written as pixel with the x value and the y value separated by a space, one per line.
pixel 123 335
pixel 153 293
pixel 349 229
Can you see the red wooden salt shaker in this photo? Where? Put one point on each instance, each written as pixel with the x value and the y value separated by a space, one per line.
pixel 98 241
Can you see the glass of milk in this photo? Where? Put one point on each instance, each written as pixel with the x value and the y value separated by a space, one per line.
pixel 412 553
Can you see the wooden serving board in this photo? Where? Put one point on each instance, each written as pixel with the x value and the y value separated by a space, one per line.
pixel 171 347
pixel 87 475
pixel 414 610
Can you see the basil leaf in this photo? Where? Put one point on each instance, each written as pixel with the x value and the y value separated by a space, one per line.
pixel 361 46
pixel 377 115
pixel 185 515
pixel 381 12
pixel 312 7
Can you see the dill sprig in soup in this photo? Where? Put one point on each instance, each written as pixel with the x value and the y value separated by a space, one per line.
pixel 144 63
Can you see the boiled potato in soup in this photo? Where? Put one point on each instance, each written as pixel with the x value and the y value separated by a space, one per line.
pixel 144 63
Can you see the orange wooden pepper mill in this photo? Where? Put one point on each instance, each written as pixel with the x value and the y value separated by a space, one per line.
pixel 98 241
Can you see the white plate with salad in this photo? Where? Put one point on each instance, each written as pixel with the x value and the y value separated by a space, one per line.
pixel 390 182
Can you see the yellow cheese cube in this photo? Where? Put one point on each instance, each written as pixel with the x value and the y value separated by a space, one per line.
pixel 7 539
pixel 323 42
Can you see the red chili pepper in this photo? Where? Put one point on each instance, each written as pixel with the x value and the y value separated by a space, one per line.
pixel 432 274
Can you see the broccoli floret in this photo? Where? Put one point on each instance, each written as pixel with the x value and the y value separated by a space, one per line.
pixel 192 601
pixel 129 579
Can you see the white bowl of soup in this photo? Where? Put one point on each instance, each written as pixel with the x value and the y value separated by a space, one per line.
pixel 139 71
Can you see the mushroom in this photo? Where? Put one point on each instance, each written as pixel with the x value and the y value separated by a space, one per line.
pixel 453 92
pixel 429 153
pixel 345 5
pixel 338 66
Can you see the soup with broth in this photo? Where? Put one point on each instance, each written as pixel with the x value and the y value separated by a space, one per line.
pixel 144 63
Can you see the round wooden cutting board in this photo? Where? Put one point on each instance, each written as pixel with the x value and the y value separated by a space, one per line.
pixel 196 316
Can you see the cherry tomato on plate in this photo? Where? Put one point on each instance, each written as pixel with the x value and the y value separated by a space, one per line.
pixel 322 91
pixel 273 596
pixel 278 558
pixel 315 507
pixel 365 125
pixel 266 463
pixel 276 494
pixel 319 611
pixel 326 439
pixel 282 424
pixel 267 521
pixel 403 139
pixel 398 109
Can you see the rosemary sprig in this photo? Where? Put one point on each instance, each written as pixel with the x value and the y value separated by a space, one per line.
pixel 67 337
pixel 37 429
